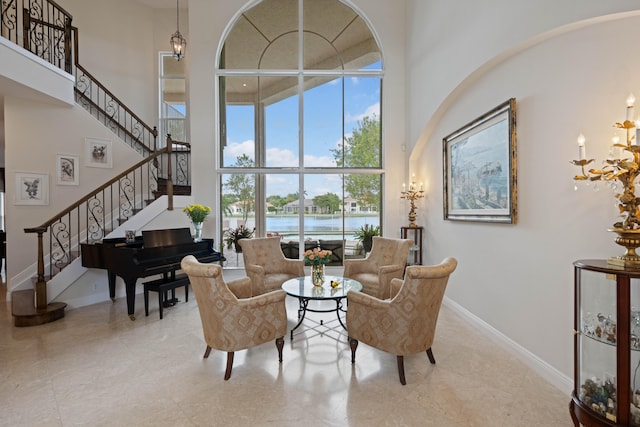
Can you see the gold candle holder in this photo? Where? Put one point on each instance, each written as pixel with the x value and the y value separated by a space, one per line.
pixel 621 170
pixel 412 195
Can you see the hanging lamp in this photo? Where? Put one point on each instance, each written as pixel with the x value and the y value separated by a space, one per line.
pixel 178 43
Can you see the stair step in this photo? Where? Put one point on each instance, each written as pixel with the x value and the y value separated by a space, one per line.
pixel 25 313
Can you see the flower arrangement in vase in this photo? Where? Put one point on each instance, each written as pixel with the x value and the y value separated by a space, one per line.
pixel 197 213
pixel 317 259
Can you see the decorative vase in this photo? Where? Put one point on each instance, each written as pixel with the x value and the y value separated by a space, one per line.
pixel 317 274
pixel 198 231
pixel 630 239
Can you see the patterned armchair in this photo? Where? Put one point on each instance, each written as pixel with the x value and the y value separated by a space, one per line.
pixel 231 318
pixel 386 261
pixel 266 265
pixel 406 324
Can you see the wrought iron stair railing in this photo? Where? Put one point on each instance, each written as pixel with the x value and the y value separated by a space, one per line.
pixel 46 29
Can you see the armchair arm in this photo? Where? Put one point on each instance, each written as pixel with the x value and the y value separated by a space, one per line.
pixel 366 300
pixel 386 273
pixel 396 284
pixel 294 267
pixel 241 288
pixel 355 266
pixel 260 301
pixel 256 274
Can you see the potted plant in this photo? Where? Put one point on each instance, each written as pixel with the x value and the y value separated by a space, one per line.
pixel 365 235
pixel 232 235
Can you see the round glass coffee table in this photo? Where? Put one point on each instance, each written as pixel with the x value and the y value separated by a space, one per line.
pixel 305 291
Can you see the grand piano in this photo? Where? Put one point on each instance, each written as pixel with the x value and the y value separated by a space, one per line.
pixel 155 252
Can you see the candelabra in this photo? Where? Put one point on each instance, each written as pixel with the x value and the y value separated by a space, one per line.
pixel 412 195
pixel 621 172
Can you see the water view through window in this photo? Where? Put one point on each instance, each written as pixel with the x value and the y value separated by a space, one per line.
pixel 300 142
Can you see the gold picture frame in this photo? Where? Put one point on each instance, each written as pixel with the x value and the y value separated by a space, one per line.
pixel 480 168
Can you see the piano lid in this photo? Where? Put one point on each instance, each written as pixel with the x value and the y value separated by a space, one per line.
pixel 168 237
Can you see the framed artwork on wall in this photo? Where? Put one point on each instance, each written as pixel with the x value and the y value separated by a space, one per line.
pixel 98 153
pixel 67 171
pixel 32 188
pixel 480 168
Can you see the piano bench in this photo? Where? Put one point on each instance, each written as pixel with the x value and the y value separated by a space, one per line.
pixel 162 286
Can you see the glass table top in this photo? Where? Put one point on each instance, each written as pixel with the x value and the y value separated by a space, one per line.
pixel 302 287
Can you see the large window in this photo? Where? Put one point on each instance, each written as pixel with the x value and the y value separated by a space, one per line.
pixel 300 136
pixel 173 102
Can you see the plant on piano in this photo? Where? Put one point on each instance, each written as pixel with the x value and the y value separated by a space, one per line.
pixel 197 213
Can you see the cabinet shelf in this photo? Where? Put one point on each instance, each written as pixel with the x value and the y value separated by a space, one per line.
pixel 606 390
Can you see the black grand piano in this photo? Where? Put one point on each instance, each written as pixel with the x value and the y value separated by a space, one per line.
pixel 155 252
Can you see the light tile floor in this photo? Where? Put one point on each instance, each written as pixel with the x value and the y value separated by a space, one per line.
pixel 96 367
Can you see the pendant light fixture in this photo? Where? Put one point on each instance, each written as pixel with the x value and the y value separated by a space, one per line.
pixel 178 43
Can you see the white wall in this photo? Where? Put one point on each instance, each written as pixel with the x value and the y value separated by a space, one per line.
pixel 119 42
pixel 35 133
pixel 518 279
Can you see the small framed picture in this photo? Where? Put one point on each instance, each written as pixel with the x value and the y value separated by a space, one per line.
pixel 98 153
pixel 32 188
pixel 67 170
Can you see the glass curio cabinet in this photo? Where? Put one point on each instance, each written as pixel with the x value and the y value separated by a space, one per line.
pixel 606 345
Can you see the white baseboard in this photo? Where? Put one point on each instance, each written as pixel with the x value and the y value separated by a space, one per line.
pixel 559 380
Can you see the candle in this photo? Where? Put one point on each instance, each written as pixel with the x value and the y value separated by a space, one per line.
pixel 582 151
pixel 635 140
pixel 617 151
pixel 404 187
pixel 630 101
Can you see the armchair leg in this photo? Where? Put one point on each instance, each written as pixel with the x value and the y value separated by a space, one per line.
pixel 227 373
pixel 280 345
pixel 207 352
pixel 401 369
pixel 353 343
pixel 430 355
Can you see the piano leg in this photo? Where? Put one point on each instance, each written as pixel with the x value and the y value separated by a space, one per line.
pixel 130 289
pixel 112 285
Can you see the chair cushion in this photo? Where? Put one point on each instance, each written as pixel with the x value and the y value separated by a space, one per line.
pixel 370 282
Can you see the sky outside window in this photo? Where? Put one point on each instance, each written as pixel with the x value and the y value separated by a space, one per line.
pixel 323 128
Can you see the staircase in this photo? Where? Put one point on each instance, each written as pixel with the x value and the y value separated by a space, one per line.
pixel 48 33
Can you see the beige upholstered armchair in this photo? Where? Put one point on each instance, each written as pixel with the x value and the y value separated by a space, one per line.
pixel 406 323
pixel 266 265
pixel 231 318
pixel 386 261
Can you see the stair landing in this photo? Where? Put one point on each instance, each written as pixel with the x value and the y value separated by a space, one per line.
pixel 26 314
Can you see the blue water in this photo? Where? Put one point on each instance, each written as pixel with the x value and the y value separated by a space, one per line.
pixel 319 226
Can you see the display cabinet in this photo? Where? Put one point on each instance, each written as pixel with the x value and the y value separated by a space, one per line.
pixel 415 252
pixel 606 345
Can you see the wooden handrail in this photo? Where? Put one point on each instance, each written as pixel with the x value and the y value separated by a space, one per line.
pixel 115 98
